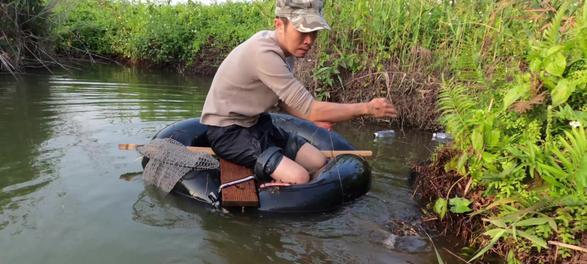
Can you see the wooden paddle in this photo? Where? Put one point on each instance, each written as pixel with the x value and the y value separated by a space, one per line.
pixel 327 153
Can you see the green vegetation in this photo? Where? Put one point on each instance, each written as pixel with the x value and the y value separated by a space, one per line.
pixel 401 48
pixel 393 48
pixel 157 34
pixel 448 35
pixel 524 142
pixel 24 31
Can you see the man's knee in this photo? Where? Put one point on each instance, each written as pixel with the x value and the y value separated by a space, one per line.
pixel 299 176
pixel 267 163
pixel 293 146
pixel 291 172
pixel 271 163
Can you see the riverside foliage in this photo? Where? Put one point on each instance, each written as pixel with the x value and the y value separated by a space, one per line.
pixel 374 45
pixel 156 34
pixel 524 141
pixel 513 91
pixel 24 35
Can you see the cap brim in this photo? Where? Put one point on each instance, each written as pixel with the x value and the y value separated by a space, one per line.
pixel 309 22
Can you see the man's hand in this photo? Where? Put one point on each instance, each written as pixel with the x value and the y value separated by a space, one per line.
pixel 337 112
pixel 324 124
pixel 381 107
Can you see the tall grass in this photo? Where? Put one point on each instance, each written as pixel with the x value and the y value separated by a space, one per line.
pixel 366 35
pixel 456 37
pixel 24 35
pixel 402 49
pixel 156 34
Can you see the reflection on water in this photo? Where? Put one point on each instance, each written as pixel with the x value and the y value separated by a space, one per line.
pixel 67 195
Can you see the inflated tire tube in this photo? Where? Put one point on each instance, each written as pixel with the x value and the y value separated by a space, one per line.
pixel 343 179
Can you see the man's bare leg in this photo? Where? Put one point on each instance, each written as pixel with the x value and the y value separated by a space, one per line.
pixel 290 172
pixel 310 158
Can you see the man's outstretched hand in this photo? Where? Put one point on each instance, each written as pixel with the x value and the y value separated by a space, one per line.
pixel 324 124
pixel 380 108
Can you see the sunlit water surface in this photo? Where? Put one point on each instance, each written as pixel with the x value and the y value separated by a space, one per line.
pixel 68 195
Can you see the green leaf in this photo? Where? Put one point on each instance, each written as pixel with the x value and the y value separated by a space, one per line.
pixel 495 204
pixel 440 207
pixel 494 137
pixel 477 140
pixel 518 91
pixel 555 64
pixel 533 221
pixel 564 88
pixel 438 257
pixel 495 235
pixel 497 222
pixel 552 224
pixel 461 164
pixel 535 64
pixel 459 205
pixel 553 51
pixel 552 174
pixel 511 257
pixel 488 158
pixel 534 239
pixel 582 175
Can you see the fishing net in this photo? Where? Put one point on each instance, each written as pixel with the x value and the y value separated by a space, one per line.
pixel 169 160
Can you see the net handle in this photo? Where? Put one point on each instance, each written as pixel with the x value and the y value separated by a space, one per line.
pixel 327 153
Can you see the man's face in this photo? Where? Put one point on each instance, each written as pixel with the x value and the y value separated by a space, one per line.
pixel 293 42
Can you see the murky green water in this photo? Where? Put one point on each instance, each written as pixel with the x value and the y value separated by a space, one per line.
pixel 67 195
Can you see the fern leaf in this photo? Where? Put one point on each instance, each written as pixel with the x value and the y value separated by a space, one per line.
pixel 455 105
pixel 552 33
pixel 572 158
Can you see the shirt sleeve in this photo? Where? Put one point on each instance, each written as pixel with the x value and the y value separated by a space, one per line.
pixel 275 73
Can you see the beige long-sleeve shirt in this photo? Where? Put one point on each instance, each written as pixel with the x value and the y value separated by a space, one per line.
pixel 253 78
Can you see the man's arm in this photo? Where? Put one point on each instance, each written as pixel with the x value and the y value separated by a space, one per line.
pixel 336 112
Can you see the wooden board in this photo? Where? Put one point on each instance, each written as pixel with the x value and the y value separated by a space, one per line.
pixel 327 153
pixel 243 194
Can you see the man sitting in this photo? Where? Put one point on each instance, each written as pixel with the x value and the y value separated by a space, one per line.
pixel 257 76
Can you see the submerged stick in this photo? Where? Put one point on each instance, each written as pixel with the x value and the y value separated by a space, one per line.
pixel 327 153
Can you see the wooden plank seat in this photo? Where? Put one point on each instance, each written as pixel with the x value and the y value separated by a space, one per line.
pixel 242 194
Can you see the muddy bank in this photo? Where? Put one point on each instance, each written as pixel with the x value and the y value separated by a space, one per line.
pixel 414 93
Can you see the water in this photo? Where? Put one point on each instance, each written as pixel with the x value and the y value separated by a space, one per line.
pixel 67 195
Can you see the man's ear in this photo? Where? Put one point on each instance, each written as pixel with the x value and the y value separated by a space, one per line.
pixel 278 23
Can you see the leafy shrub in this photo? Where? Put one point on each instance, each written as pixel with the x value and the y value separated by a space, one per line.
pixel 527 144
pixel 160 34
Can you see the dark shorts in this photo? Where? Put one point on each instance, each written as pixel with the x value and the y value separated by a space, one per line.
pixel 243 145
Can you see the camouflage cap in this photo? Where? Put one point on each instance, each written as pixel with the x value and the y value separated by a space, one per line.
pixel 305 15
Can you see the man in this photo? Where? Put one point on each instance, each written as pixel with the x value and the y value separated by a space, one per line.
pixel 257 76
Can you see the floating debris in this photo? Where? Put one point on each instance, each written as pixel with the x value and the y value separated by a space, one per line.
pixel 384 133
pixel 384 136
pixel 411 244
pixel 404 235
pixel 441 137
